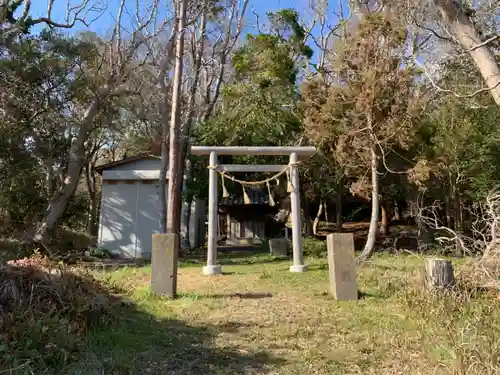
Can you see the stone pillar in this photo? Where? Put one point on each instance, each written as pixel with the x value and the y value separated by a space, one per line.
pixel 212 268
pixel 342 266
pixel 164 264
pixel 278 247
pixel 298 257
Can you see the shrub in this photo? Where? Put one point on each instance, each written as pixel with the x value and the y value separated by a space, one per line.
pixel 45 311
pixel 314 247
pixel 468 318
pixel 99 252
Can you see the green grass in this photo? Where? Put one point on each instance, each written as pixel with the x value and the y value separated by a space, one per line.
pixel 261 319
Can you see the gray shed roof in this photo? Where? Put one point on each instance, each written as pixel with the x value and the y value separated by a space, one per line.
pixel 130 159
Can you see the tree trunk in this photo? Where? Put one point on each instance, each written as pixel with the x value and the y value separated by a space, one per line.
pixel 397 214
pixel 188 123
pixel 163 178
pixel 464 31
pixel 92 191
pixel 493 246
pixel 384 218
pixel 306 220
pixel 458 210
pixel 447 210
pixel 493 230
pixel 317 218
pixel 187 221
pixel 454 200
pixel 175 152
pixel 338 211
pixel 326 211
pixel 59 202
pixel 49 178
pixel 189 200
pixel 165 128
pixel 92 225
pixel 372 232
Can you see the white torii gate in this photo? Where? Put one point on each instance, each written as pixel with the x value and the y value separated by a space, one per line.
pixel 294 152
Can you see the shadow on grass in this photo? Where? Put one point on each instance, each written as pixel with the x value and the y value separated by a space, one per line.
pixel 365 295
pixel 235 327
pixel 136 342
pixel 233 261
pixel 230 255
pixel 318 267
pixel 236 295
pixel 92 328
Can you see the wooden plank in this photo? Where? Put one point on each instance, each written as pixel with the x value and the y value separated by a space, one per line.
pixel 275 168
pixel 237 150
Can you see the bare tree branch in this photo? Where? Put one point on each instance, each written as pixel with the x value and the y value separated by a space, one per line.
pixel 455 94
pixel 74 13
pixel 487 41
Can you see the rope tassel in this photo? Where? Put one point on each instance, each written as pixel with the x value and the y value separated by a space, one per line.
pixel 289 186
pixel 246 199
pixel 271 199
pixel 225 193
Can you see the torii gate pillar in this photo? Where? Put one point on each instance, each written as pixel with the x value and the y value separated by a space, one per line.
pixel 213 219
pixel 298 254
pixel 294 152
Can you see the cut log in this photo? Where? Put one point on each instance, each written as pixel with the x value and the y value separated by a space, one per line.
pixel 438 274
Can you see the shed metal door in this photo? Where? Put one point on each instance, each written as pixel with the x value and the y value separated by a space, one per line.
pixel 148 217
pixel 118 218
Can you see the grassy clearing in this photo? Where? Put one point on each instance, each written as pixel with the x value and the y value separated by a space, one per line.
pixel 259 318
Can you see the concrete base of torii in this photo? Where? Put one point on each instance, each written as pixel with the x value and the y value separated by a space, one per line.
pixel 212 270
pixel 298 268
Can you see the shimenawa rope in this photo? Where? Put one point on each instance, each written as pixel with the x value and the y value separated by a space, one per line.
pixel 267 181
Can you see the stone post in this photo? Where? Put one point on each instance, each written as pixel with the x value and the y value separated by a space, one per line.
pixel 278 247
pixel 298 257
pixel 212 268
pixel 164 264
pixel 342 266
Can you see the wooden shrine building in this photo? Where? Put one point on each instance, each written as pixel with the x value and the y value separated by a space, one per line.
pixel 243 222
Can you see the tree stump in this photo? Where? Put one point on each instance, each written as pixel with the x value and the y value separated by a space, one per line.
pixel 438 274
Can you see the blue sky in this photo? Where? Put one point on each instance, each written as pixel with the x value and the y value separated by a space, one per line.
pixel 106 21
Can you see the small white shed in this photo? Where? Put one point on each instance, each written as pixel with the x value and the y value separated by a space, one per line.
pixel 130 207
